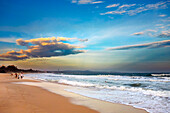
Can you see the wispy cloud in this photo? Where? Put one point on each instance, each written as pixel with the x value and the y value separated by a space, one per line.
pixel 138 33
pixel 126 6
pixel 83 40
pixel 163 15
pixel 166 20
pixel 158 24
pixel 121 9
pixel 160 44
pixel 113 12
pixel 86 1
pixel 154 33
pixel 164 34
pixel 149 32
pixel 112 5
pixel 159 5
pixel 42 47
pixel 133 9
pixel 96 2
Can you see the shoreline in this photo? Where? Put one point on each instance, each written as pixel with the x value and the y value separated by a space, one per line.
pixel 77 99
pixel 66 85
pixel 90 102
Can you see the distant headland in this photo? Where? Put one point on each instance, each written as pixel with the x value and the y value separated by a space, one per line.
pixel 13 68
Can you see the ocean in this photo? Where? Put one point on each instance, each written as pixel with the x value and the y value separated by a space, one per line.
pixel 151 93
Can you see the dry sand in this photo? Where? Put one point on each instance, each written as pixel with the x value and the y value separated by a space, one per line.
pixel 19 98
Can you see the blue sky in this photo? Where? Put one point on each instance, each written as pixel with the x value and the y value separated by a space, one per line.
pixel 102 35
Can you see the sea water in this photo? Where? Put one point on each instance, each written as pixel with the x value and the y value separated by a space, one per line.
pixel 149 93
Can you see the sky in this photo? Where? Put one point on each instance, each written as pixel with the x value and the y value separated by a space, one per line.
pixel 97 35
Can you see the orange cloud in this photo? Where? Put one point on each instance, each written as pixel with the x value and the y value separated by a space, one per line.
pixel 42 47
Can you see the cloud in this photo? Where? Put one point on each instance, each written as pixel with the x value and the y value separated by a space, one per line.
pixel 158 24
pixel 113 12
pixel 149 32
pixel 13 53
pixel 138 33
pixel 97 2
pixel 166 20
pixel 43 47
pixel 83 40
pixel 86 1
pixel 74 1
pixel 162 15
pixel 5 59
pixel 122 9
pixel 154 33
pixel 162 27
pixel 112 5
pixel 159 5
pixel 126 8
pixel 164 34
pixel 21 42
pixel 10 57
pixel 160 44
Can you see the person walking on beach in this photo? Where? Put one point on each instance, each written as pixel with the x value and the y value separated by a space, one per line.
pixel 16 75
pixel 22 76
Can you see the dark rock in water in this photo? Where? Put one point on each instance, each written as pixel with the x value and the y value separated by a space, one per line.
pixel 136 85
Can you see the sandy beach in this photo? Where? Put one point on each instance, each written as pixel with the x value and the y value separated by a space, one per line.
pixel 20 98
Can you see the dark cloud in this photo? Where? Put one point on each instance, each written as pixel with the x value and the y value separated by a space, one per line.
pixel 160 44
pixel 13 53
pixel 21 42
pixel 42 47
pixel 9 57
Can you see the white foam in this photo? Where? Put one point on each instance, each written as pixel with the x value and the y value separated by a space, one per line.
pixel 109 77
pixel 123 88
pixel 75 83
pixel 152 104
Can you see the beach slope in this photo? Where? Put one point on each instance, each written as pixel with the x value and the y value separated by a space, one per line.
pixel 20 98
pixel 17 98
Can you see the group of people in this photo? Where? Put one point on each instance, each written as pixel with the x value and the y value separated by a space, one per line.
pixel 18 75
